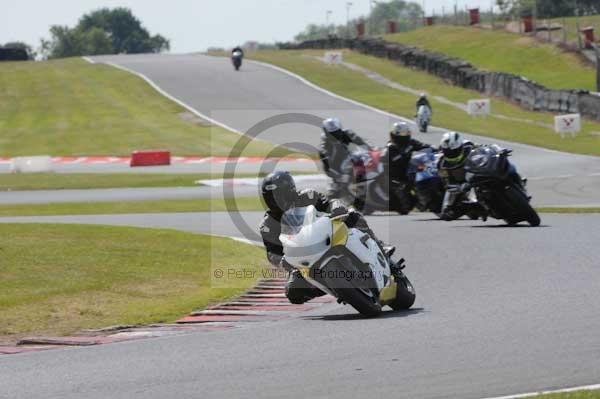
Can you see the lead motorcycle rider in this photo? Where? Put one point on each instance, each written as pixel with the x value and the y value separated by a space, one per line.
pixel 335 155
pixel 451 167
pixel 397 155
pixel 280 195
pixel 456 150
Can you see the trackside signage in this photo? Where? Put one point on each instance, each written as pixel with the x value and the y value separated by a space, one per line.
pixel 479 107
pixel 334 57
pixel 567 124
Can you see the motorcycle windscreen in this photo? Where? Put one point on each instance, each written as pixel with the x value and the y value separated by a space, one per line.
pixel 294 219
pixel 486 161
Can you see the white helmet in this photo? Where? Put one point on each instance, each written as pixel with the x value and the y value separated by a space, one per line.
pixel 332 125
pixel 452 145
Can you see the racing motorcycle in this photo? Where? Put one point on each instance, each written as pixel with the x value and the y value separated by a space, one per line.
pixel 343 262
pixel 370 188
pixel 236 59
pixel 428 185
pixel 493 178
pixel 423 118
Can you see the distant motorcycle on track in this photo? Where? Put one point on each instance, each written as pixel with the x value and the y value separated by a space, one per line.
pixel 423 118
pixel 236 59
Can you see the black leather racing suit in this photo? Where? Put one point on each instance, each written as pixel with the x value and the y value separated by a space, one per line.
pixel 335 156
pixel 396 160
pixel 297 289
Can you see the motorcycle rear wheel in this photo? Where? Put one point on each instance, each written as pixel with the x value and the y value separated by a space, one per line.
pixel 363 299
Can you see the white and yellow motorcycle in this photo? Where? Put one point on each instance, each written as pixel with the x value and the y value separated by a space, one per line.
pixel 345 263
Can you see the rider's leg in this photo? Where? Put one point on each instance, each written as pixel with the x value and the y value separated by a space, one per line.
pixel 358 221
pixel 299 291
pixel 515 176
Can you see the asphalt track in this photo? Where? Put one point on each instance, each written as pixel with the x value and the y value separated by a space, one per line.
pixel 269 101
pixel 287 111
pixel 518 313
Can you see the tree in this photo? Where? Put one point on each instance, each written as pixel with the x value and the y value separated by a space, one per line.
pixel 103 31
pixel 549 8
pixel 31 54
pixel 407 15
pixel 314 32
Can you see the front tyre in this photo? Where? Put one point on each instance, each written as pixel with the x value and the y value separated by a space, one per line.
pixel 523 207
pixel 405 293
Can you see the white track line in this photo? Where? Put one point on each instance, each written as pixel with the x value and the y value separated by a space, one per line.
pixel 175 100
pixel 566 390
pixel 331 94
pixel 389 114
pixel 169 96
pixel 315 87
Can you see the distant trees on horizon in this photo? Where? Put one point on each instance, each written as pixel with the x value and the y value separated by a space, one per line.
pixel 104 31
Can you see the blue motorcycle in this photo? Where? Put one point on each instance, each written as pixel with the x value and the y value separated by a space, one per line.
pixel 428 185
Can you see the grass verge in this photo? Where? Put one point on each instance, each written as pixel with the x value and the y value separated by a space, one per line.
pixel 504 52
pixel 58 181
pixel 568 210
pixel 199 205
pixel 357 86
pixel 58 279
pixel 128 207
pixel 572 395
pixel 70 107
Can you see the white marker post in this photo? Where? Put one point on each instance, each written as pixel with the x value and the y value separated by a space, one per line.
pixel 334 57
pixel 42 164
pixel 567 124
pixel 479 107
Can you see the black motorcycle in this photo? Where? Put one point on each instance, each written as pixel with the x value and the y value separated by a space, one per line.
pixel 498 187
pixel 236 59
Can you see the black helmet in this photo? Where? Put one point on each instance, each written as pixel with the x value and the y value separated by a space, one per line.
pixel 400 134
pixel 279 191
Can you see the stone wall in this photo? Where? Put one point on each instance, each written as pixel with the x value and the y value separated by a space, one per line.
pixel 527 94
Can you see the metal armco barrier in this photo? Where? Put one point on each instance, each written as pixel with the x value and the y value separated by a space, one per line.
pixel 150 158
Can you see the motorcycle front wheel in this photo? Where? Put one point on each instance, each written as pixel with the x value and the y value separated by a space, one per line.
pixel 524 208
pixel 405 294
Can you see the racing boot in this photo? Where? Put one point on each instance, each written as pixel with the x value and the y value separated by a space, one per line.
pixel 299 291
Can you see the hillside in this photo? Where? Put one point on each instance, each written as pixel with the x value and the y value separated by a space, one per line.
pixel 70 107
pixel 504 52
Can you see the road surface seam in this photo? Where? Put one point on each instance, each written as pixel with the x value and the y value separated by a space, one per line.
pixel 535 394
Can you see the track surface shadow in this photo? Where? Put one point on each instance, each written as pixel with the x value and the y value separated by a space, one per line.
pixel 390 314
pixel 501 226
